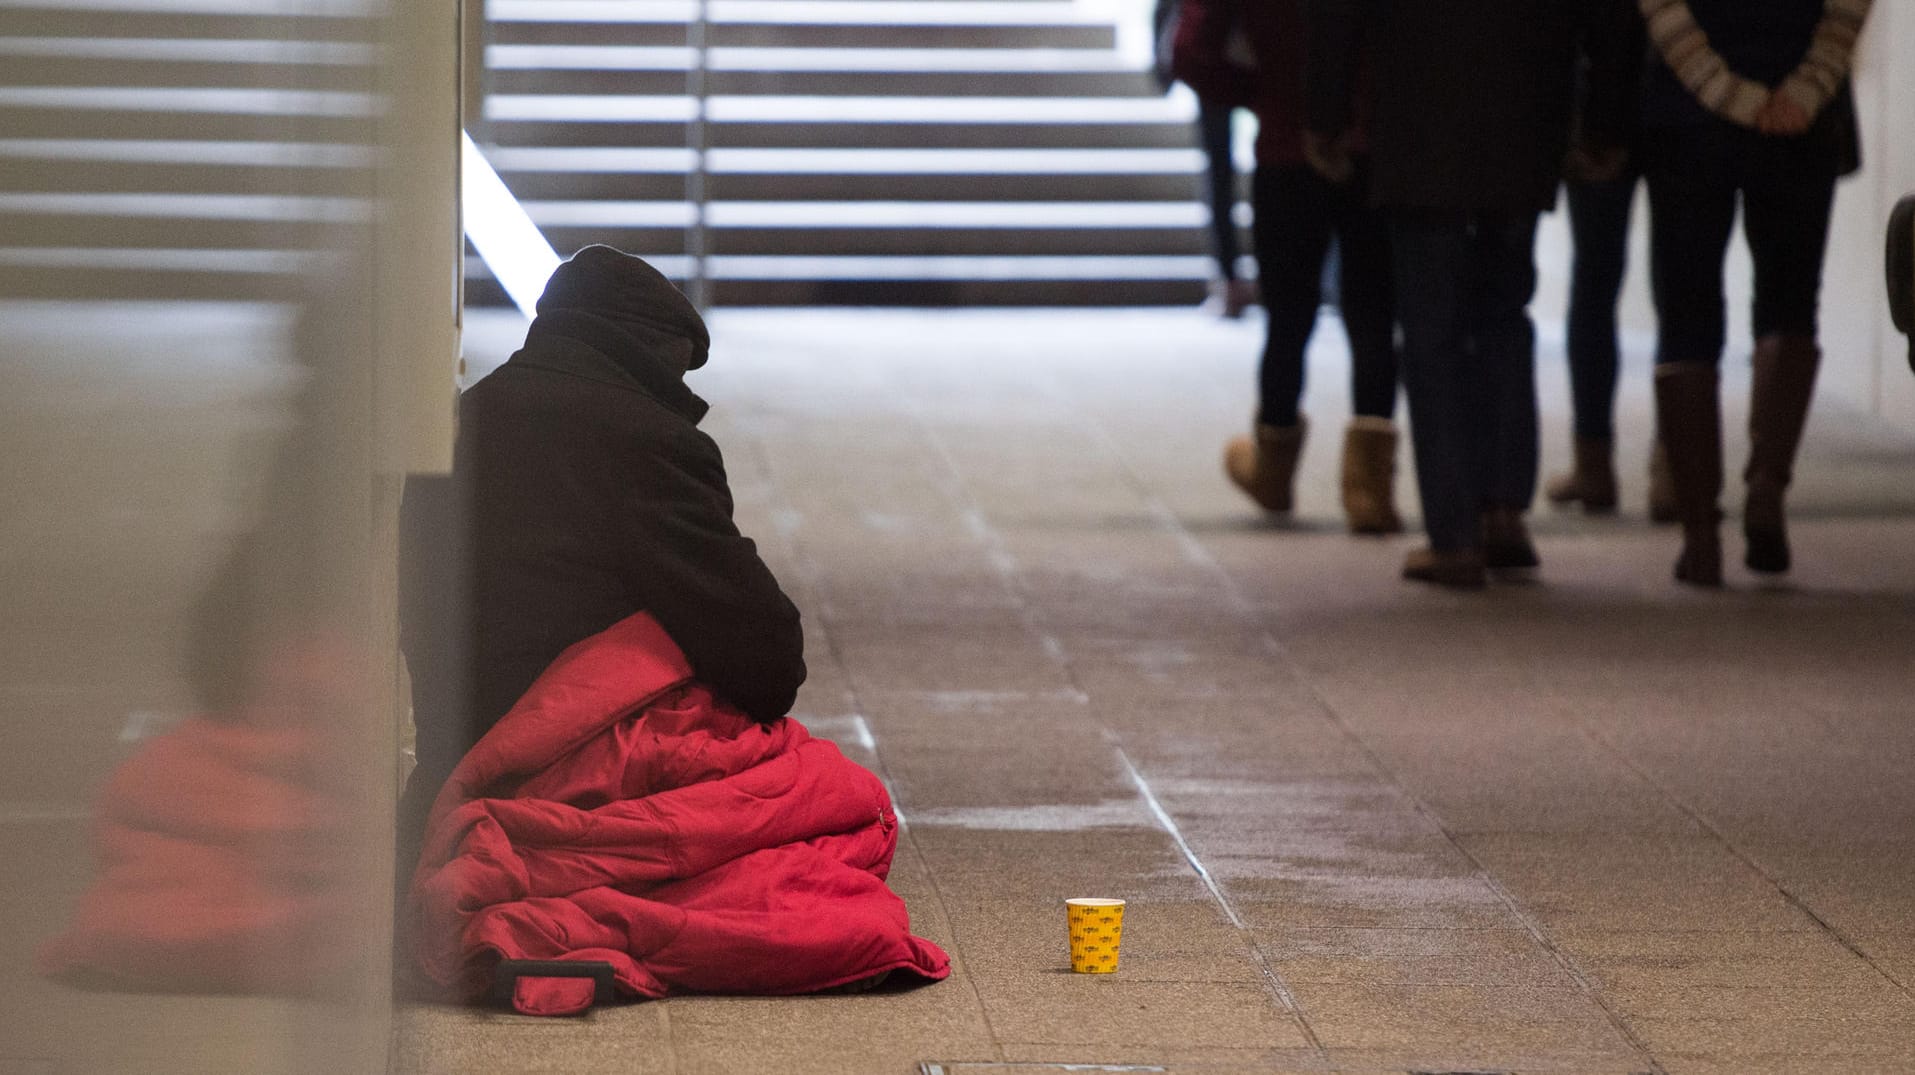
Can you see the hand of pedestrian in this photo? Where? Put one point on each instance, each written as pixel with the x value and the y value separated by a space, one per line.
pixel 1329 157
pixel 1782 117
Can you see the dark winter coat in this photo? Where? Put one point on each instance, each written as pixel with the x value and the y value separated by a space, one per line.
pixel 1275 33
pixel 1473 98
pixel 589 494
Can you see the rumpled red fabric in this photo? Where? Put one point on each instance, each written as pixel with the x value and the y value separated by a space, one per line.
pixel 231 851
pixel 620 812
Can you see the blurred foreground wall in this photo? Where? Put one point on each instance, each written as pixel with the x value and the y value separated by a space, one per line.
pixel 228 326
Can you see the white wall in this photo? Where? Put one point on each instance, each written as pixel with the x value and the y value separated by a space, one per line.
pixel 1867 360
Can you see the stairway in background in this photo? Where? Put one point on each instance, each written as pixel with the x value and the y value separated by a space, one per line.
pixel 856 152
pixel 180 149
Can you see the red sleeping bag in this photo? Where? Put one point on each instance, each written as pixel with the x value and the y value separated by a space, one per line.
pixel 621 813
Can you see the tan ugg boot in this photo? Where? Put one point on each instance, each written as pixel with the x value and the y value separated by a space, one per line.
pixel 1785 368
pixel 1265 466
pixel 1369 476
pixel 1591 482
pixel 1689 414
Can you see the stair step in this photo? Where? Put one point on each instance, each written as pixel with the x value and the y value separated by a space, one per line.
pixel 143 125
pixel 575 133
pixel 1086 292
pixel 877 35
pixel 22 174
pixel 798 188
pixel 830 83
pixel 904 242
pixel 62 71
pixel 75 231
pixel 159 274
pixel 846 292
pixel 243 22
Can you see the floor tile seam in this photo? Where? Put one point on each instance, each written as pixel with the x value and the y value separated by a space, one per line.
pixel 1004 561
pixel 1696 814
pixel 807 567
pixel 1273 981
pixel 1201 555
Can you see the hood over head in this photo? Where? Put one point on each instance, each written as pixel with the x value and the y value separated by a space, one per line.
pixel 614 287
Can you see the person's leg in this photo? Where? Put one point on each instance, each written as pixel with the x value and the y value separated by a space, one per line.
pixel 1368 308
pixel 1291 230
pixel 1213 123
pixel 1786 210
pixel 1506 359
pixel 1430 256
pixel 1292 233
pixel 1599 228
pixel 1220 189
pixel 1692 206
pixel 1366 298
pixel 1599 225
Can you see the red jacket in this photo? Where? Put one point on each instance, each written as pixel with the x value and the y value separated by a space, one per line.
pixel 621 813
pixel 1212 39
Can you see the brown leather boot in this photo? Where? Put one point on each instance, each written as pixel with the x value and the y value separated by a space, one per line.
pixel 1458 569
pixel 1785 368
pixel 1591 482
pixel 1506 543
pixel 1689 415
pixel 1369 476
pixel 1662 486
pixel 1265 466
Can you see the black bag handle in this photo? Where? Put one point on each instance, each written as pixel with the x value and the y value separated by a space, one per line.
pixel 505 979
pixel 1901 271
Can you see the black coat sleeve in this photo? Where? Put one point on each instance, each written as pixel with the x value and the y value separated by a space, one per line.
pixel 1336 31
pixel 704 581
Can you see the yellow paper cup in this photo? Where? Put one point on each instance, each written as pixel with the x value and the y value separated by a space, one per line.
pixel 1097 929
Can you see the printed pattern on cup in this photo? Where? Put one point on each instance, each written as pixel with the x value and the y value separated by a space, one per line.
pixel 1096 934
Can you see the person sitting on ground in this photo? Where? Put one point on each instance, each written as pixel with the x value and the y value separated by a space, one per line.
pixel 583 492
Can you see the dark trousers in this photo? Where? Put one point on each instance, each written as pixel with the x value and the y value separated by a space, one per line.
pixel 1220 189
pixel 1297 213
pixel 1463 285
pixel 1697 175
pixel 1599 229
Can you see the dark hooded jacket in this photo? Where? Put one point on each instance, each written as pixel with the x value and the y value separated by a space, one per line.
pixel 1473 99
pixel 588 494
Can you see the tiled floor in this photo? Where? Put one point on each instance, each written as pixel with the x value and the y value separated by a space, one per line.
pixel 1593 825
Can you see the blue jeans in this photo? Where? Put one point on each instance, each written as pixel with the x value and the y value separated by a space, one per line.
pixel 1463 284
pixel 1599 227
